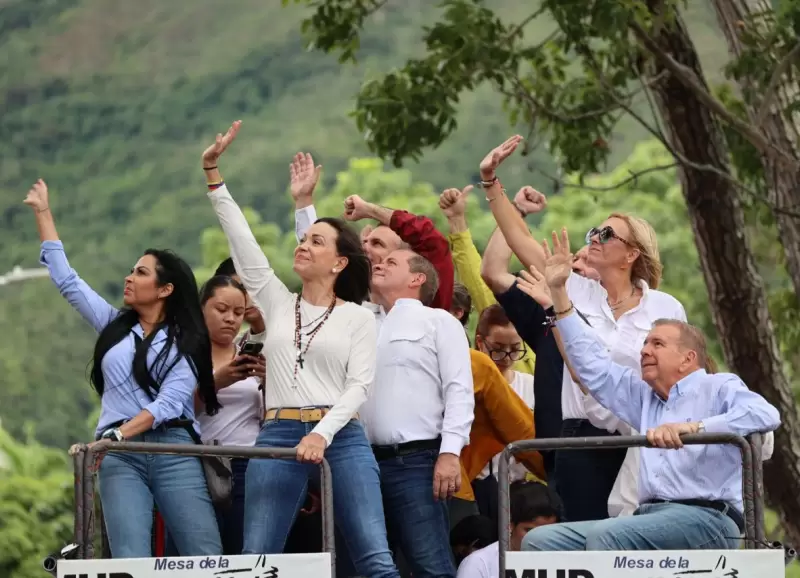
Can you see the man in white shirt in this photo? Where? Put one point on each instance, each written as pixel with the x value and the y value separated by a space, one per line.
pixel 420 410
pixel 532 505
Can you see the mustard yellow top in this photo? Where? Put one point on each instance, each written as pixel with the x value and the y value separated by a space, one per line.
pixel 501 417
pixel 467 262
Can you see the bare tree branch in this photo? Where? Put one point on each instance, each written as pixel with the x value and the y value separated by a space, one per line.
pixel 656 132
pixel 772 87
pixel 691 82
pixel 527 20
pixel 634 176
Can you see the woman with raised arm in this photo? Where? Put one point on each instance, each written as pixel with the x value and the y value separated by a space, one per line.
pixel 621 307
pixel 149 358
pixel 320 349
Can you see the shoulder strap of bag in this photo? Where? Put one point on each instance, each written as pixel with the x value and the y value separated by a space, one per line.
pixel 189 427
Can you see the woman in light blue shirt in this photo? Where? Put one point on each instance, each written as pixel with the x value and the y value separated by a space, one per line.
pixel 149 358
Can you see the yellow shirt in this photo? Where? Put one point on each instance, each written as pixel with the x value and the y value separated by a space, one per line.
pixel 467 262
pixel 501 417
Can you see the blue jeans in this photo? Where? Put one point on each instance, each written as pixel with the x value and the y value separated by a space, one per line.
pixel 417 524
pixel 130 484
pixel 652 527
pixel 276 489
pixel 231 518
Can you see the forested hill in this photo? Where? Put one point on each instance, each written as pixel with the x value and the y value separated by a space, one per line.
pixel 111 101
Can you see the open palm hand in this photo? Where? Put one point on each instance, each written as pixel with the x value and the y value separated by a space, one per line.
pixel 558 264
pixel 211 154
pixel 304 175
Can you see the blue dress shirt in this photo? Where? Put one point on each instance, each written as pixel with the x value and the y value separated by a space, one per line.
pixel 721 401
pixel 122 398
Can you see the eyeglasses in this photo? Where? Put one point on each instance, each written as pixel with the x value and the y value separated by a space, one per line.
pixel 604 235
pixel 499 354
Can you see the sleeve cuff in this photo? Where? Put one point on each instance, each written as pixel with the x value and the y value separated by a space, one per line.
pixel 260 337
pixel 717 424
pixel 325 434
pixel 309 213
pixel 459 237
pixel 451 444
pixel 49 246
pixel 155 411
pixel 570 327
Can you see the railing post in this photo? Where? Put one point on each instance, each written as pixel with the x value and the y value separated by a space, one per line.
pixel 79 534
pixel 756 446
pixel 88 502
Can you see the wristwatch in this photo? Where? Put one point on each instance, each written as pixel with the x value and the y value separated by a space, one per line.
pixel 701 427
pixel 113 434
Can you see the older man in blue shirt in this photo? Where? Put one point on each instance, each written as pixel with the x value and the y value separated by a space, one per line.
pixel 691 499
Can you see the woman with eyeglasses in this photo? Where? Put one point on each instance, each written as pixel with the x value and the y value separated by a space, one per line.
pixel 621 306
pixel 496 337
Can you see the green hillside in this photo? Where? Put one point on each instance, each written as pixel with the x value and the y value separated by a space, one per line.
pixel 111 101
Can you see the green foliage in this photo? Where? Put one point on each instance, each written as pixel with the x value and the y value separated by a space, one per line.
pixel 571 86
pixel 112 103
pixel 35 505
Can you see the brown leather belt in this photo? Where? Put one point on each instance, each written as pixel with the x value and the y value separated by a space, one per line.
pixel 302 414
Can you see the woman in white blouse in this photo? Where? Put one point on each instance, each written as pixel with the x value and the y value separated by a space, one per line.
pixel 320 351
pixel 621 307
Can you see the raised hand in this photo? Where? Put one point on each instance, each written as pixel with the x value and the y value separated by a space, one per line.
pixel 529 201
pixel 534 285
pixel 497 155
pixel 558 264
pixel 355 208
pixel 453 202
pixel 211 154
pixel 37 197
pixel 304 175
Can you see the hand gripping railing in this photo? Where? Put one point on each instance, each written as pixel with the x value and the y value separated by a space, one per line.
pixel 749 494
pixel 85 457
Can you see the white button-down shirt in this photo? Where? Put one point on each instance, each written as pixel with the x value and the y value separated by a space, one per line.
pixel 623 338
pixel 423 381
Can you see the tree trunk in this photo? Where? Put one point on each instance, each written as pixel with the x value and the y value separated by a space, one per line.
pixel 781 129
pixel 736 292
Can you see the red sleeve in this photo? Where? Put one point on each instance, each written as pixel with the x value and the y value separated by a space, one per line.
pixel 421 234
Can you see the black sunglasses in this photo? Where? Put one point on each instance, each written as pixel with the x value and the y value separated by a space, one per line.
pixel 604 235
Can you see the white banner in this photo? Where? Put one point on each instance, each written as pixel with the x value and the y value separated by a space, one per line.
pixel 658 564
pixel 264 566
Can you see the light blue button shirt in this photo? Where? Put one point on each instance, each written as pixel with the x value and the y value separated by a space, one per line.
pixel 721 401
pixel 122 398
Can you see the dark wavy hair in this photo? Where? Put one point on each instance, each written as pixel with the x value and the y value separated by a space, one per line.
pixel 186 330
pixel 218 281
pixel 352 284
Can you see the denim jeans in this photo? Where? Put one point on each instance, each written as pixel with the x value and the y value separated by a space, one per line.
pixel 130 484
pixel 276 489
pixel 585 501
pixel 652 527
pixel 417 524
pixel 231 518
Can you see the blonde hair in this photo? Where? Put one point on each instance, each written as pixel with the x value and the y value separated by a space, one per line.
pixel 647 266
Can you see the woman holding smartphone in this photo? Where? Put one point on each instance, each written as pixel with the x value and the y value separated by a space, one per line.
pixel 238 378
pixel 149 359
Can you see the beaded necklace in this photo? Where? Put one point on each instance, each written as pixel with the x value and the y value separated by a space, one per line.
pixel 299 359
